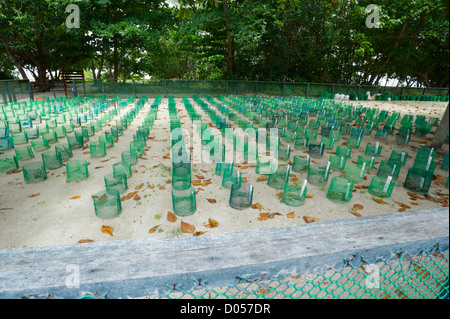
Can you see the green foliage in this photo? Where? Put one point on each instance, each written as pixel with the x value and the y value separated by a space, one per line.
pixel 276 40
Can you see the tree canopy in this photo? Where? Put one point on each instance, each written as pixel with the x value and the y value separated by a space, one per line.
pixel 273 40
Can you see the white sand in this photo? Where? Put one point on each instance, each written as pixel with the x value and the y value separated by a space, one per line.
pixel 52 218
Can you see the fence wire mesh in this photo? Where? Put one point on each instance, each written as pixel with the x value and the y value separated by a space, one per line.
pixel 12 91
pixel 425 276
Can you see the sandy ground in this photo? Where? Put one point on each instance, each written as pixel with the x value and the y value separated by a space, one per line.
pixel 53 218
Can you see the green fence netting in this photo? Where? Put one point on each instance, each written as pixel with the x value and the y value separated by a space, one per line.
pixel 425 276
pixel 17 90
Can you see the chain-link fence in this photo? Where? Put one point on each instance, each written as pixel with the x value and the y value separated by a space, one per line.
pixel 178 88
pixel 16 90
pixel 425 276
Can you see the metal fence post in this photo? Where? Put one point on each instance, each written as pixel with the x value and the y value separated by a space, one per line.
pixel 8 90
pixel 103 87
pixel 307 90
pixel 84 87
pixel 165 88
pixel 134 88
pixel 227 87
pixel 30 92
pixel 74 88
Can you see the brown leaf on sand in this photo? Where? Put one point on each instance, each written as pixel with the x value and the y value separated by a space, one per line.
pixel 187 228
pixel 256 206
pixel 171 217
pixel 263 216
pixel 356 214
pixel 75 197
pixel 137 197
pixel 280 195
pixel 310 219
pixel 262 178
pixel 200 176
pixel 309 196
pixel 402 205
pixel 139 186
pixel 196 183
pixel 82 241
pixel 379 200
pixel 34 195
pixel 198 233
pixel 128 196
pixel 213 223
pixel 206 182
pixel 415 196
pixel 211 200
pixel 290 215
pixel 107 230
pixel 14 171
pixel 357 207
pixel 153 229
pixel 272 215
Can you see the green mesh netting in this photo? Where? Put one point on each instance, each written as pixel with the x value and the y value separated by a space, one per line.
pixel 400 277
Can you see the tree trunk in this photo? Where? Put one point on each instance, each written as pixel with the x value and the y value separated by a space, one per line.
pixel 388 58
pixel 230 49
pixel 100 67
pixel 93 68
pixel 42 78
pixel 115 59
pixel 441 131
pixel 14 60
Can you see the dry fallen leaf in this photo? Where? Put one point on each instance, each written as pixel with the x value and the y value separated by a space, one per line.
pixel 14 171
pixel 310 219
pixel 187 228
pixel 128 196
pixel 309 196
pixel 256 206
pixel 272 215
pixel 211 200
pixel 206 182
pixel 263 216
pixel 139 186
pixel 413 195
pixel 198 233
pixel 356 214
pixel 137 197
pixel 107 230
pixel 213 223
pixel 200 176
pixel 162 187
pixel 34 195
pixel 82 241
pixel 75 197
pixel 196 183
pixel 402 205
pixel 153 229
pixel 379 200
pixel 134 171
pixel 290 215
pixel 262 178
pixel 357 207
pixel 171 217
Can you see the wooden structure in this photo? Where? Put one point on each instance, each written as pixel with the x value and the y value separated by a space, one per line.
pixel 67 77
pixel 140 267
